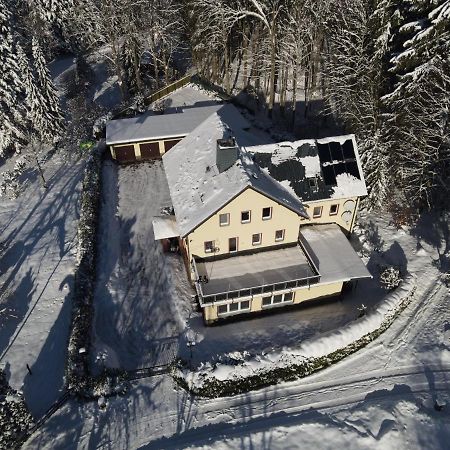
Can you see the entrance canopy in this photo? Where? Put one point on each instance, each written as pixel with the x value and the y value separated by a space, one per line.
pixel 165 227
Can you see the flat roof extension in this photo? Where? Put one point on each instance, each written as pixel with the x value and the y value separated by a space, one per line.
pixel 332 253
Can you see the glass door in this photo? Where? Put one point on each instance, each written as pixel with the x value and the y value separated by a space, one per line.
pixel 233 244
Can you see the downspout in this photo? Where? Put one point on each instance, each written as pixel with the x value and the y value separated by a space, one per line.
pixel 354 216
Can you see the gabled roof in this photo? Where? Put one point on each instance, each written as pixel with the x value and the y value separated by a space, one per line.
pixel 175 122
pixel 315 169
pixel 197 188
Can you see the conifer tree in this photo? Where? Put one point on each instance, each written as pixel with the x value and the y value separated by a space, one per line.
pixel 43 99
pixel 12 113
pixel 419 103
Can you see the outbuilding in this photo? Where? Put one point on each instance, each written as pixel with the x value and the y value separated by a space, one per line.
pixel 150 135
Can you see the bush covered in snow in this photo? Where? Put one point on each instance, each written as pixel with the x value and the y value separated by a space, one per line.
pixel 160 106
pixel 98 129
pixel 78 377
pixel 15 420
pixel 390 277
pixel 77 371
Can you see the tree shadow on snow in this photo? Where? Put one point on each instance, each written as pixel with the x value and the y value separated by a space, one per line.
pixel 433 228
pixel 44 385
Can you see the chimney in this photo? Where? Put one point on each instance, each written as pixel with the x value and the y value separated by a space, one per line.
pixel 227 153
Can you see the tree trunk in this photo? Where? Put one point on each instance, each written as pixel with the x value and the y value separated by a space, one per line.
pixel 227 69
pixel 284 83
pixel 137 70
pixel 272 69
pixel 118 70
pixel 294 94
pixel 255 72
pixel 38 165
pixel 245 58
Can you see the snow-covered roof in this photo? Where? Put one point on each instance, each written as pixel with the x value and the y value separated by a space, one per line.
pixel 332 253
pixel 197 188
pixel 175 122
pixel 165 227
pixel 315 169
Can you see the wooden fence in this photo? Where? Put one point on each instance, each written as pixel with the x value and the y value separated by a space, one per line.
pixel 168 89
pixel 156 95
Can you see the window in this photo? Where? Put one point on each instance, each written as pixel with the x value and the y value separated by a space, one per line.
pixel 267 213
pixel 279 235
pixel 224 219
pixel 312 183
pixel 209 246
pixel 233 244
pixel 334 210
pixel 233 308
pixel 277 299
pixel 317 212
pixel 245 216
pixel 256 239
pixel 245 304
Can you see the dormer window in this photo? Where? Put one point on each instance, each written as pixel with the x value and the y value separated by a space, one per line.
pixel 317 212
pixel 334 209
pixel 312 183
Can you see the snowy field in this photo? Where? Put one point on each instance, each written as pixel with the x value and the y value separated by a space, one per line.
pixel 37 239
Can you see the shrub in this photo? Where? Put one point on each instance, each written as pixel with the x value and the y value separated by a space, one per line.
pixel 15 419
pixel 77 370
pixel 390 277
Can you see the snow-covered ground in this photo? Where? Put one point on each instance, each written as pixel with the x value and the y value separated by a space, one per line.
pixel 143 300
pixel 381 397
pixel 142 294
pixel 37 237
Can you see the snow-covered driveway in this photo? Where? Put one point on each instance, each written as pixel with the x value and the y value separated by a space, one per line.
pixel 37 236
pixel 142 294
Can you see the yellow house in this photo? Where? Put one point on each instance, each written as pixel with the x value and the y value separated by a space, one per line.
pixel 262 226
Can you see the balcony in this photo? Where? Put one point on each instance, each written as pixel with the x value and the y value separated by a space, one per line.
pixel 247 275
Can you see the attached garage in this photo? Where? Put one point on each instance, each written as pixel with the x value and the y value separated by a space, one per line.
pixel 171 143
pixel 149 135
pixel 150 150
pixel 125 153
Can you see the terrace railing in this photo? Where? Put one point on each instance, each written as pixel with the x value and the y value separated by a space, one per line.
pixel 272 288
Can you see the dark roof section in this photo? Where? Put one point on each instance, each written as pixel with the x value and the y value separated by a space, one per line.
pixel 315 169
